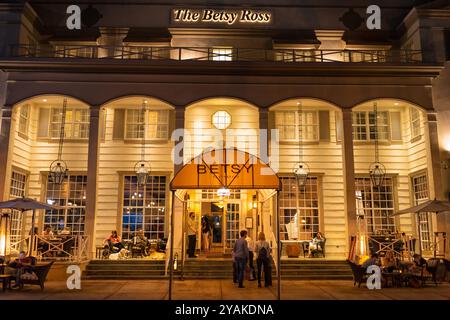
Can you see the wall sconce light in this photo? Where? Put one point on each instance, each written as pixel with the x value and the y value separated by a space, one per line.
pixel 255 202
pixel 445 164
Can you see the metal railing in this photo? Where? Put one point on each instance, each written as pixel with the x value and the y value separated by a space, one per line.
pixel 69 248
pixel 217 55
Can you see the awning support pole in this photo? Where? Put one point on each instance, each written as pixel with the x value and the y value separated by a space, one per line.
pixel 172 220
pixel 277 225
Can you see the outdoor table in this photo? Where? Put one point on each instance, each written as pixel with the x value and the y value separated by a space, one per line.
pixel 6 281
pixel 394 277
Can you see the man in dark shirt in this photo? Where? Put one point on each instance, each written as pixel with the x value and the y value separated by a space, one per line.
pixel 240 251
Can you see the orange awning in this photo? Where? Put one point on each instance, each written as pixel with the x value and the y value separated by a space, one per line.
pixel 225 168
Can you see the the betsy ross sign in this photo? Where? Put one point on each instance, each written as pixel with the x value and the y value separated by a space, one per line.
pixel 229 17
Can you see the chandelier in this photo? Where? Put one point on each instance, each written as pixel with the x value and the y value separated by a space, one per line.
pixel 301 169
pixel 377 170
pixel 142 167
pixel 58 168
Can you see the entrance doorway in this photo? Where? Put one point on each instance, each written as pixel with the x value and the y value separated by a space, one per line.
pixel 223 218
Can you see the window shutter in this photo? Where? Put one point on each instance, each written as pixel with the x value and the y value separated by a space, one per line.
pixel 119 124
pixel 271 123
pixel 172 124
pixel 339 128
pixel 44 118
pixel 396 126
pixel 324 125
pixel 103 123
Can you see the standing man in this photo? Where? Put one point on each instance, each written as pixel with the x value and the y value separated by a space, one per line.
pixel 241 255
pixel 192 235
pixel 251 250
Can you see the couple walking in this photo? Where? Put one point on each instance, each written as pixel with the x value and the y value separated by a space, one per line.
pixel 243 251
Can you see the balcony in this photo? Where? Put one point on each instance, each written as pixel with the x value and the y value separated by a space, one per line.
pixel 218 54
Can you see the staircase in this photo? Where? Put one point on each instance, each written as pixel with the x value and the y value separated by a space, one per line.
pixel 312 269
pixel 124 269
pixel 213 268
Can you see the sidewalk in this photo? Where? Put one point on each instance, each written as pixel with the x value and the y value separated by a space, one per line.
pixel 221 290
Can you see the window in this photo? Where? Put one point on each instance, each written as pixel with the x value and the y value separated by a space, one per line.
pixel 364 125
pixel 75 52
pixel 287 55
pixel 221 54
pixel 17 190
pixel 376 204
pixel 415 124
pixel 70 196
pixel 77 123
pixel 288 124
pixel 24 115
pixel 221 119
pixel 420 189
pixel 144 207
pixel 157 124
pixel 212 194
pixel 232 224
pixel 299 209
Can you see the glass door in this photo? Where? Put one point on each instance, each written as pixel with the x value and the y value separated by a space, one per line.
pixel 232 224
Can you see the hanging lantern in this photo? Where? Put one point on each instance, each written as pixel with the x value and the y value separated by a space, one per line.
pixel 58 168
pixel 301 171
pixel 58 171
pixel 142 169
pixel 5 226
pixel 377 171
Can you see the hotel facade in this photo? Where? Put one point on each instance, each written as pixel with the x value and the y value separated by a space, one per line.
pixel 288 83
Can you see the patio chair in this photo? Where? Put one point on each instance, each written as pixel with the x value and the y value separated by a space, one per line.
pixel 41 273
pixel 359 273
pixel 447 267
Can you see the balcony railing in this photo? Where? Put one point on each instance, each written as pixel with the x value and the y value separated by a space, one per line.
pixel 217 55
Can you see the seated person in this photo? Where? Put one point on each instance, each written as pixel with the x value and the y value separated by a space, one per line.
pixel 388 262
pixel 18 267
pixel 372 261
pixel 417 264
pixel 113 242
pixel 316 243
pixel 47 235
pixel 139 240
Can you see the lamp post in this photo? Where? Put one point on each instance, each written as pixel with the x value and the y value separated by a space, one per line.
pixel 301 169
pixel 5 228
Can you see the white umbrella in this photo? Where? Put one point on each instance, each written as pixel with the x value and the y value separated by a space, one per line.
pixel 437 206
pixel 26 204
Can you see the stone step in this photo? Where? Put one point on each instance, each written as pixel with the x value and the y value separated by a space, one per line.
pixel 118 267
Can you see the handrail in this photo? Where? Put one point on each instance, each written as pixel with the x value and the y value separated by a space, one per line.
pixel 209 54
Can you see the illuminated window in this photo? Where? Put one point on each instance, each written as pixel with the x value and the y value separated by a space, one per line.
pixel 17 190
pixel 221 54
pixel 415 124
pixel 212 194
pixel 420 189
pixel 70 196
pixel 299 209
pixel 24 115
pixel 376 204
pixel 77 123
pixel 156 125
pixel 144 207
pixel 364 125
pixel 288 124
pixel 221 119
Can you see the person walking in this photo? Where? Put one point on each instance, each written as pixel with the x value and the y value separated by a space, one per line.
pixel 251 250
pixel 263 253
pixel 192 235
pixel 240 251
pixel 206 234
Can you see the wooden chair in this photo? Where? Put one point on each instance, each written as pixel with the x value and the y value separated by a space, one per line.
pixel 359 273
pixel 41 273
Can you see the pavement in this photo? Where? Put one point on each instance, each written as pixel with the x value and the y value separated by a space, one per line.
pixel 221 290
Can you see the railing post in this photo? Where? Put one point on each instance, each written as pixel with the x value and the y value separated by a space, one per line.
pixel 321 55
pixel 179 54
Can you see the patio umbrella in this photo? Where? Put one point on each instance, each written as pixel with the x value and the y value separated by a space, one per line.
pixel 26 204
pixel 436 206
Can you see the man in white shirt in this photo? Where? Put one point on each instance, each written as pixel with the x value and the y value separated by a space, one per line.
pixel 192 235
